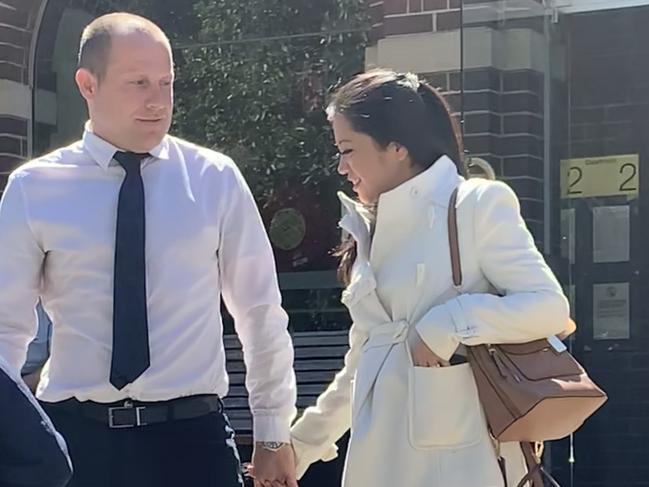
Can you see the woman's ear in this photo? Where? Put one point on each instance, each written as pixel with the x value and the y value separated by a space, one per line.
pixel 398 152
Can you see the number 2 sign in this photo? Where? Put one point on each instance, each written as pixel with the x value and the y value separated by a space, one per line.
pixel 601 176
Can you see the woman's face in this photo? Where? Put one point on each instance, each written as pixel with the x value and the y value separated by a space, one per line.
pixel 371 169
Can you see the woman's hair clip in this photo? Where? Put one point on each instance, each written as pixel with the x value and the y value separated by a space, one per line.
pixel 409 79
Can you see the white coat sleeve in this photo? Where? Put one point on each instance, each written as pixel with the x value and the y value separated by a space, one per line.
pixel 314 435
pixel 531 305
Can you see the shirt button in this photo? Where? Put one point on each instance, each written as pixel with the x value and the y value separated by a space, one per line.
pixel 414 192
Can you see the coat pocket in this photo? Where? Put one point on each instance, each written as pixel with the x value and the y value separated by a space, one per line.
pixel 444 410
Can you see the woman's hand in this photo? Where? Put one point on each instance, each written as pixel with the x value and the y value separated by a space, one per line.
pixel 422 356
pixel 272 468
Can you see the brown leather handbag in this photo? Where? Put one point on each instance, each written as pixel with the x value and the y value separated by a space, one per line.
pixel 530 392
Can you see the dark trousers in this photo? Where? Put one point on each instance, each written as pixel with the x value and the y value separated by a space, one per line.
pixel 198 452
pixel 30 455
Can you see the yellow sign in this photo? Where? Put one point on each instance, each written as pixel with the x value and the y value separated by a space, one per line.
pixel 601 176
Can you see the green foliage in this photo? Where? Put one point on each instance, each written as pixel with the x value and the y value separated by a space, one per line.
pixel 262 102
pixel 257 87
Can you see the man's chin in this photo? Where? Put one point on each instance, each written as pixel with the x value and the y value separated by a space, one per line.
pixel 148 142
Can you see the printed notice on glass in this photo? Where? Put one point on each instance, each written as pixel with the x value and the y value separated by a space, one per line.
pixel 611 234
pixel 568 234
pixel 611 311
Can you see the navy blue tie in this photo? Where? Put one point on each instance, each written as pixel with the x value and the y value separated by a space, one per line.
pixel 130 328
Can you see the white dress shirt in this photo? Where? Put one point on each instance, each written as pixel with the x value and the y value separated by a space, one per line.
pixel 204 239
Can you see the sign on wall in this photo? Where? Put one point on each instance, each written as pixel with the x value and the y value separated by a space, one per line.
pixel 601 176
pixel 611 311
pixel 611 234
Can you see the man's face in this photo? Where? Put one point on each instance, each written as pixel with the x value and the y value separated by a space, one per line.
pixel 131 106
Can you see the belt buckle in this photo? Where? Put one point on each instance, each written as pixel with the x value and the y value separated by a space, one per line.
pixel 136 416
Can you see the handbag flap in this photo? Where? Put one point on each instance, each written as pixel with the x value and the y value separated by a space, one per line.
pixel 539 361
pixel 525 348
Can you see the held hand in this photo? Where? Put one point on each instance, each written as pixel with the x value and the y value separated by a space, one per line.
pixel 273 468
pixel 422 356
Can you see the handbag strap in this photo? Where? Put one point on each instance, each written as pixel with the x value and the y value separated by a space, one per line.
pixel 535 470
pixel 453 243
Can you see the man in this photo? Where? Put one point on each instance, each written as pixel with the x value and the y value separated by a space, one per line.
pixel 129 237
pixel 32 453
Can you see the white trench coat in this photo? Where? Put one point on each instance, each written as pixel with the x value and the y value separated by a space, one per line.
pixel 424 427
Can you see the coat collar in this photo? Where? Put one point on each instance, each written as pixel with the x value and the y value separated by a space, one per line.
pixel 356 220
pixel 432 186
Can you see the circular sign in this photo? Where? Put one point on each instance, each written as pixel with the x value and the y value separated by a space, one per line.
pixel 287 229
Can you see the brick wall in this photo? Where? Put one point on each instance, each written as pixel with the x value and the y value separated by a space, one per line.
pixel 503 109
pixel 414 16
pixel 607 113
pixel 602 109
pixel 504 125
pixel 399 17
pixel 17 18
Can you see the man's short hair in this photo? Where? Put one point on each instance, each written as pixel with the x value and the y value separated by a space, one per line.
pixel 96 38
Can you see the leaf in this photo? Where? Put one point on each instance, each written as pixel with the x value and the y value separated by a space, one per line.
pixel 248 98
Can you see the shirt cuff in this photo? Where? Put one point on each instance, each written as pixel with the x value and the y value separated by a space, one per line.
pixel 271 428
pixel 438 329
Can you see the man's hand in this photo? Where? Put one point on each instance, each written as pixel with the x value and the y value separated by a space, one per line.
pixel 422 356
pixel 273 468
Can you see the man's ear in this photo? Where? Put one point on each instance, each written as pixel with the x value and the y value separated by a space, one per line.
pixel 87 83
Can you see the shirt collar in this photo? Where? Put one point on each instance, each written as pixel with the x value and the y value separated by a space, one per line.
pixel 102 152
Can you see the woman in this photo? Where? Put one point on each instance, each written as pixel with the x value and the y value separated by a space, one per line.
pixel 406 390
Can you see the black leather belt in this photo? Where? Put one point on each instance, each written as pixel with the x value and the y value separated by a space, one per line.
pixel 130 413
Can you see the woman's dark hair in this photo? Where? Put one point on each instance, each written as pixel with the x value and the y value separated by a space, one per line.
pixel 397 107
